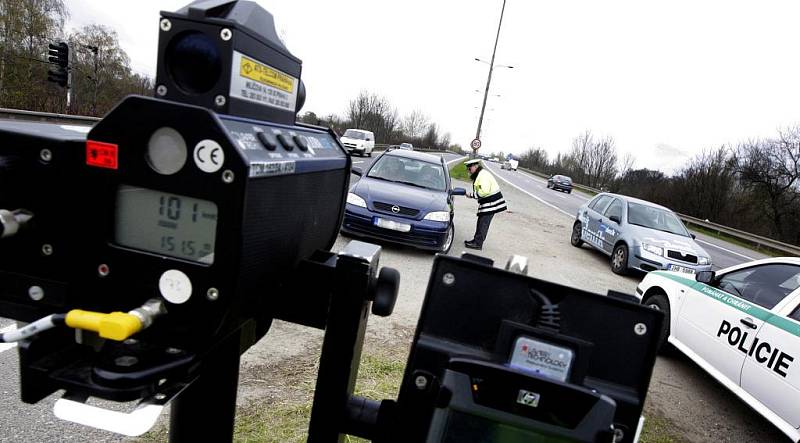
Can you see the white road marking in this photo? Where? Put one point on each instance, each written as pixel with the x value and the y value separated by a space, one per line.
pixel 571 215
pixel 537 198
pixel 6 346
pixel 360 161
pixel 724 249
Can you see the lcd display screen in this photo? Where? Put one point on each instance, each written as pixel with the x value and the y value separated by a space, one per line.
pixel 164 223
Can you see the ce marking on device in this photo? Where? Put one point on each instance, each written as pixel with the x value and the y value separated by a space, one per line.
pixel 209 156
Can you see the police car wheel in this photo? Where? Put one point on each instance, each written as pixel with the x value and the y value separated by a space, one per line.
pixel 659 303
pixel 575 238
pixel 619 260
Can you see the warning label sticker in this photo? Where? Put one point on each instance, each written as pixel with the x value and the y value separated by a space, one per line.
pixel 257 82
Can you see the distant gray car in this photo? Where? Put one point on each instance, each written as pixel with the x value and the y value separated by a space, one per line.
pixel 638 234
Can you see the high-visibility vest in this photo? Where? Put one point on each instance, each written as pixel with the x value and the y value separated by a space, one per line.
pixel 487 191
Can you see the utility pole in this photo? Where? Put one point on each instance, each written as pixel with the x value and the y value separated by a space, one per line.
pixel 489 79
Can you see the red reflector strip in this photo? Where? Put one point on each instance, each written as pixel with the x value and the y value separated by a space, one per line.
pixel 102 155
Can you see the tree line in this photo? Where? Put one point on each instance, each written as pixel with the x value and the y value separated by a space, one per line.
pixel 375 113
pixel 100 69
pixel 753 185
pixel 101 76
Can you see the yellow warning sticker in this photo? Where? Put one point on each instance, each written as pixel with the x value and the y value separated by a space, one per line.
pixel 264 74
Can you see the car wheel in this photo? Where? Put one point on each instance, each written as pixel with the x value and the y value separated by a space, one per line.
pixel 659 303
pixel 369 154
pixel 575 238
pixel 569 191
pixel 619 259
pixel 448 242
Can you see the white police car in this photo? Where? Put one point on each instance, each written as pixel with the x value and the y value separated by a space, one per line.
pixel 742 325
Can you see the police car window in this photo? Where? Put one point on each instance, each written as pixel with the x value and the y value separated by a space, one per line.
pixel 615 208
pixel 764 285
pixel 601 203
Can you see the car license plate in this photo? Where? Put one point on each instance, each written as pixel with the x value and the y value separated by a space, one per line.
pixel 541 358
pixel 393 225
pixel 676 268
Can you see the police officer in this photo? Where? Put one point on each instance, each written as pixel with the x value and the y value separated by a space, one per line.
pixel 490 200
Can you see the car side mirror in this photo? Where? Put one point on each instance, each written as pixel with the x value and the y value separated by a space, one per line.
pixel 458 191
pixel 615 218
pixel 693 236
pixel 357 171
pixel 706 277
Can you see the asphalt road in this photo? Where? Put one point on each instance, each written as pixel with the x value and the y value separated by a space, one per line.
pixel 723 254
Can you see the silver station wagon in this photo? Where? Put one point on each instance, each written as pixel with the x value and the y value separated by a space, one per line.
pixel 639 235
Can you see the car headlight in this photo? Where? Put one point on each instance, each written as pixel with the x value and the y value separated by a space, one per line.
pixel 356 200
pixel 653 249
pixel 442 216
pixel 703 261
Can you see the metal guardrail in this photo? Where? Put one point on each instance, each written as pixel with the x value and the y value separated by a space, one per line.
pixel 19 114
pixel 757 241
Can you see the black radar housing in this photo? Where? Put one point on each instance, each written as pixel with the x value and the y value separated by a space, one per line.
pixel 225 55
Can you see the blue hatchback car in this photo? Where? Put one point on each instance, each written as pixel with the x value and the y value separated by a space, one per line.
pixel 404 197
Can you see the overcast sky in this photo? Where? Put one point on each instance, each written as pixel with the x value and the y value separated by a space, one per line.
pixel 665 79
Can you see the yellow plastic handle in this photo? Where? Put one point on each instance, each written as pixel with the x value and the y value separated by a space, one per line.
pixel 115 326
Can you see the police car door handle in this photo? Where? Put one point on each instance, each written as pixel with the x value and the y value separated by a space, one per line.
pixel 748 322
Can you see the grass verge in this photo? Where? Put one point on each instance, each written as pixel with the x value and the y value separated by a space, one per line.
pixel 657 430
pixel 727 238
pixel 379 377
pixel 459 172
pixel 380 373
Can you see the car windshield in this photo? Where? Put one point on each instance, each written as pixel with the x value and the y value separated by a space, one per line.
pixel 354 134
pixel 405 145
pixel 655 218
pixel 409 171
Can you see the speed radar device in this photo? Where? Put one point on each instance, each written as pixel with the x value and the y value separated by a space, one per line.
pixel 502 357
pixel 173 231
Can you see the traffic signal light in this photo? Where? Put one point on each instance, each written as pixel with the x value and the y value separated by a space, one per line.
pixel 58 76
pixel 58 54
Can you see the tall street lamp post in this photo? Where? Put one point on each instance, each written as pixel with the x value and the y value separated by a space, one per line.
pixel 489 79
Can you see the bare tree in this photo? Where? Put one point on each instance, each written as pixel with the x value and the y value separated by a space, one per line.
pixel 601 163
pixel 534 158
pixel 431 137
pixel 374 113
pixel 626 163
pixel 415 123
pixel 705 185
pixel 770 169
pixel 444 141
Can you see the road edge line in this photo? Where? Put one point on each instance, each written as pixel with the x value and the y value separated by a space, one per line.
pixel 537 198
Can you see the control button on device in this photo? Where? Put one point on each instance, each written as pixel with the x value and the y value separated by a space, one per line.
pixel 286 142
pixel 268 140
pixel 301 142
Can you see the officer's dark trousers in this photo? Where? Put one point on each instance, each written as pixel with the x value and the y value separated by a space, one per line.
pixel 484 220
